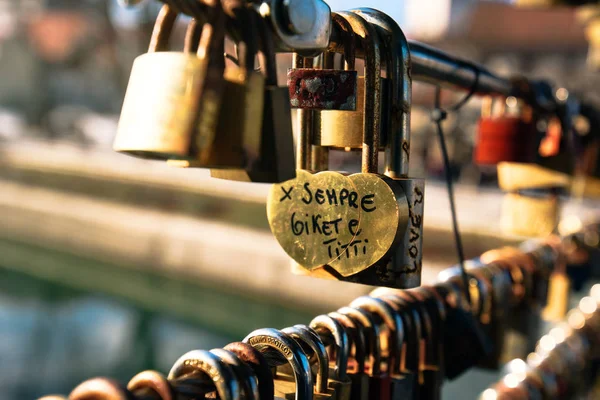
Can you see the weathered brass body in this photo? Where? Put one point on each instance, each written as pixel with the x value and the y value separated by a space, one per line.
pixel 236 142
pixel 173 98
pixel 270 157
pixel 163 125
pixel 237 134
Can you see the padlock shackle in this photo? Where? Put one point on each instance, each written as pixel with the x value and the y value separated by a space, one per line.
pixel 398 63
pixel 402 307
pixel 391 320
pixel 259 365
pixel 266 55
pixel 206 362
pixel 349 41
pixel 357 337
pixel 154 381
pixel 100 388
pixel 163 27
pixel 304 334
pixel 373 92
pixel 201 36
pixel 246 19
pixel 245 375
pixel 305 121
pixel 328 324
pixel 269 339
pixel 365 323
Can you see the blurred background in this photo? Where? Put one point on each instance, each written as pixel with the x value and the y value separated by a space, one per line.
pixel 110 265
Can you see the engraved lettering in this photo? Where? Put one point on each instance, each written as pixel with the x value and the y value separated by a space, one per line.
pixel 406 149
pixel 262 340
pixel 327 228
pixel 204 367
pixel 349 250
pixel 330 220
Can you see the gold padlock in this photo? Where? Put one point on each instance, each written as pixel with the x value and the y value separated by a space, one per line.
pixel 403 269
pixel 274 158
pixel 394 261
pixel 326 222
pixel 343 129
pixel 173 98
pixel 236 142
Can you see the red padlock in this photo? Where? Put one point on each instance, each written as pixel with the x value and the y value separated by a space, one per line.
pixel 506 132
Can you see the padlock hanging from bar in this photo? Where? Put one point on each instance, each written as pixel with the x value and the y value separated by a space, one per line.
pixel 340 231
pixel 173 98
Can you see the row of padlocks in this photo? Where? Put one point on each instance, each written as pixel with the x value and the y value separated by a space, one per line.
pixel 565 361
pixel 392 344
pixel 351 87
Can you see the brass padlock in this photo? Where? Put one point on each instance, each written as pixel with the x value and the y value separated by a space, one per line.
pixel 530 215
pixel 342 128
pixel 327 221
pixel 274 161
pixel 173 99
pixel 236 142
